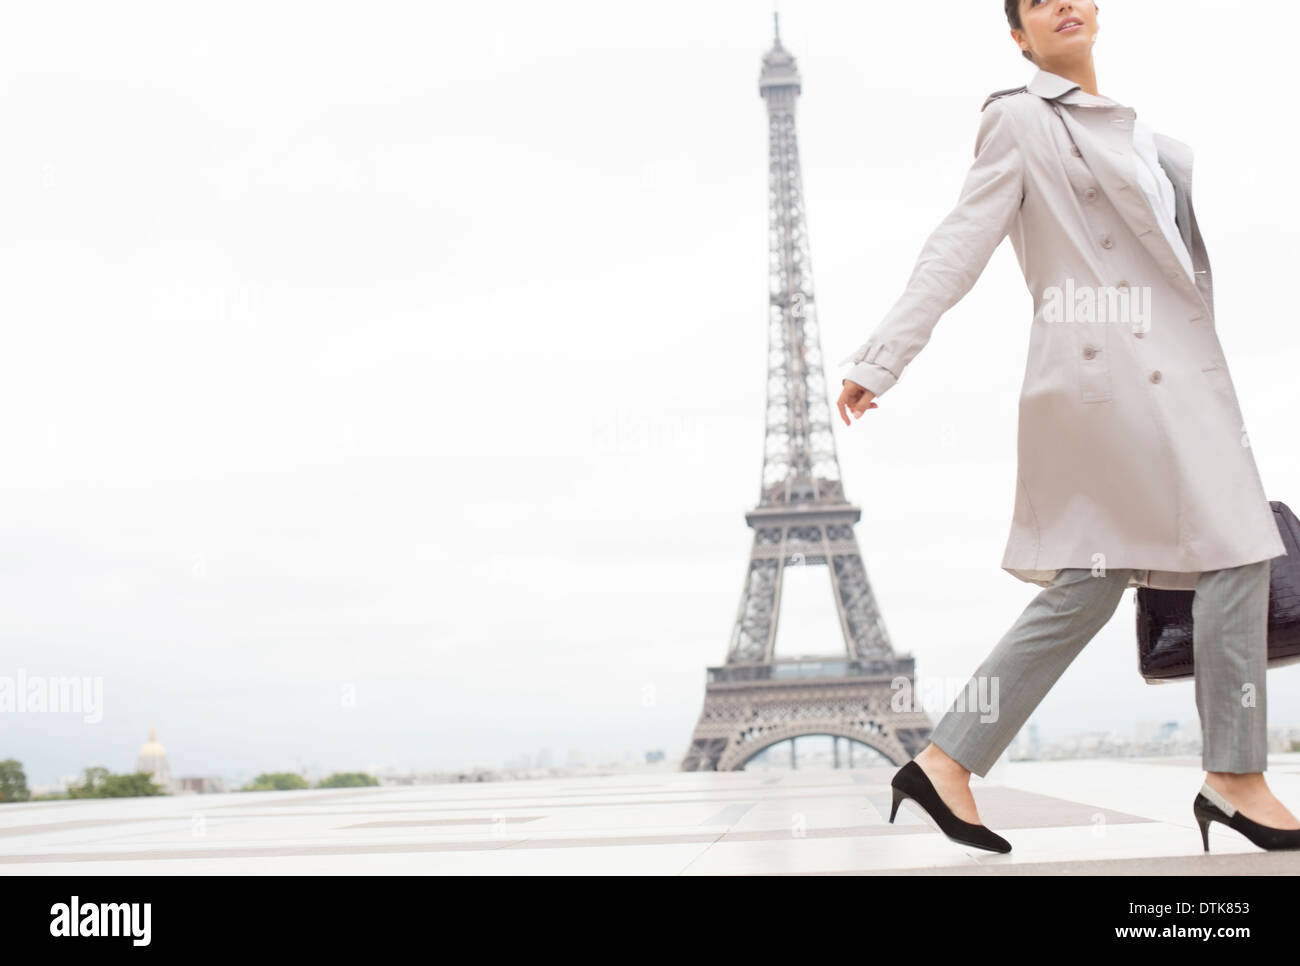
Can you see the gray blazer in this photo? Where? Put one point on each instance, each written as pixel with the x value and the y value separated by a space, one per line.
pixel 1132 449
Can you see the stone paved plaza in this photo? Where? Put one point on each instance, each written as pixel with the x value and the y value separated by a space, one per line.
pixel 1091 817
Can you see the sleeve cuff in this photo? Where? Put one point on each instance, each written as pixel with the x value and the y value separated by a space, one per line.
pixel 875 379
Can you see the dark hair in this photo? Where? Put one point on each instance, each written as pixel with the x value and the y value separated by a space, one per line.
pixel 1013 18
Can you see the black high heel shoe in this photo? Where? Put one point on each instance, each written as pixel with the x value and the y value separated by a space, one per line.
pixel 912 782
pixel 1209 806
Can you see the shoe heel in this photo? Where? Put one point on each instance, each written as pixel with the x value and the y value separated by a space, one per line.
pixel 1204 823
pixel 1206 814
pixel 899 795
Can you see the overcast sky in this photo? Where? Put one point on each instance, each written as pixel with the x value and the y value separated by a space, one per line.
pixel 383 383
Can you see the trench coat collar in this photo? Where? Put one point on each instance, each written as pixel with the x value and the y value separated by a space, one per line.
pixel 1048 85
pixel 1051 86
pixel 1114 164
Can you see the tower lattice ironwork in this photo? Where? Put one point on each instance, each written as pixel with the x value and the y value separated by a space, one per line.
pixel 802 519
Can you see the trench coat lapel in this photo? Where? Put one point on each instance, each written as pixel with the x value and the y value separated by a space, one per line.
pixel 1103 133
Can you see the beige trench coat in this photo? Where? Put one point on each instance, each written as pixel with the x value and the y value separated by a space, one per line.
pixel 1132 451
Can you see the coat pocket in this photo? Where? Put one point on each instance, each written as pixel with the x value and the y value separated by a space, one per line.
pixel 1217 378
pixel 1092 361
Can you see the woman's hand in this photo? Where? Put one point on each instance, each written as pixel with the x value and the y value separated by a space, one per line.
pixel 857 398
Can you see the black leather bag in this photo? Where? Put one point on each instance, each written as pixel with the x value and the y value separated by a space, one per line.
pixel 1164 617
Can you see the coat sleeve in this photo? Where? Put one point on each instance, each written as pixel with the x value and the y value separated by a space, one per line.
pixel 952 258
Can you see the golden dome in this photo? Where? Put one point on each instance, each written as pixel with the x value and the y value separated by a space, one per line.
pixel 152 748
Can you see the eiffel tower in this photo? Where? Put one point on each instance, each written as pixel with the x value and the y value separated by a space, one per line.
pixel 802 519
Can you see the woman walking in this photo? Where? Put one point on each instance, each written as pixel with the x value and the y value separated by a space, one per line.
pixel 1134 469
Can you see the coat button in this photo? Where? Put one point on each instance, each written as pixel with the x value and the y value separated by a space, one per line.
pixel 1089 352
pixel 1155 376
pixel 1139 334
pixel 1091 194
pixel 1107 241
pixel 1075 151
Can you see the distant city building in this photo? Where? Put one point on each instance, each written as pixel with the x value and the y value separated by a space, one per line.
pixel 153 759
pixel 200 785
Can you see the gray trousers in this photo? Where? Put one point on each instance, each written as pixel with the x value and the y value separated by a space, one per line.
pixel 1230 650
